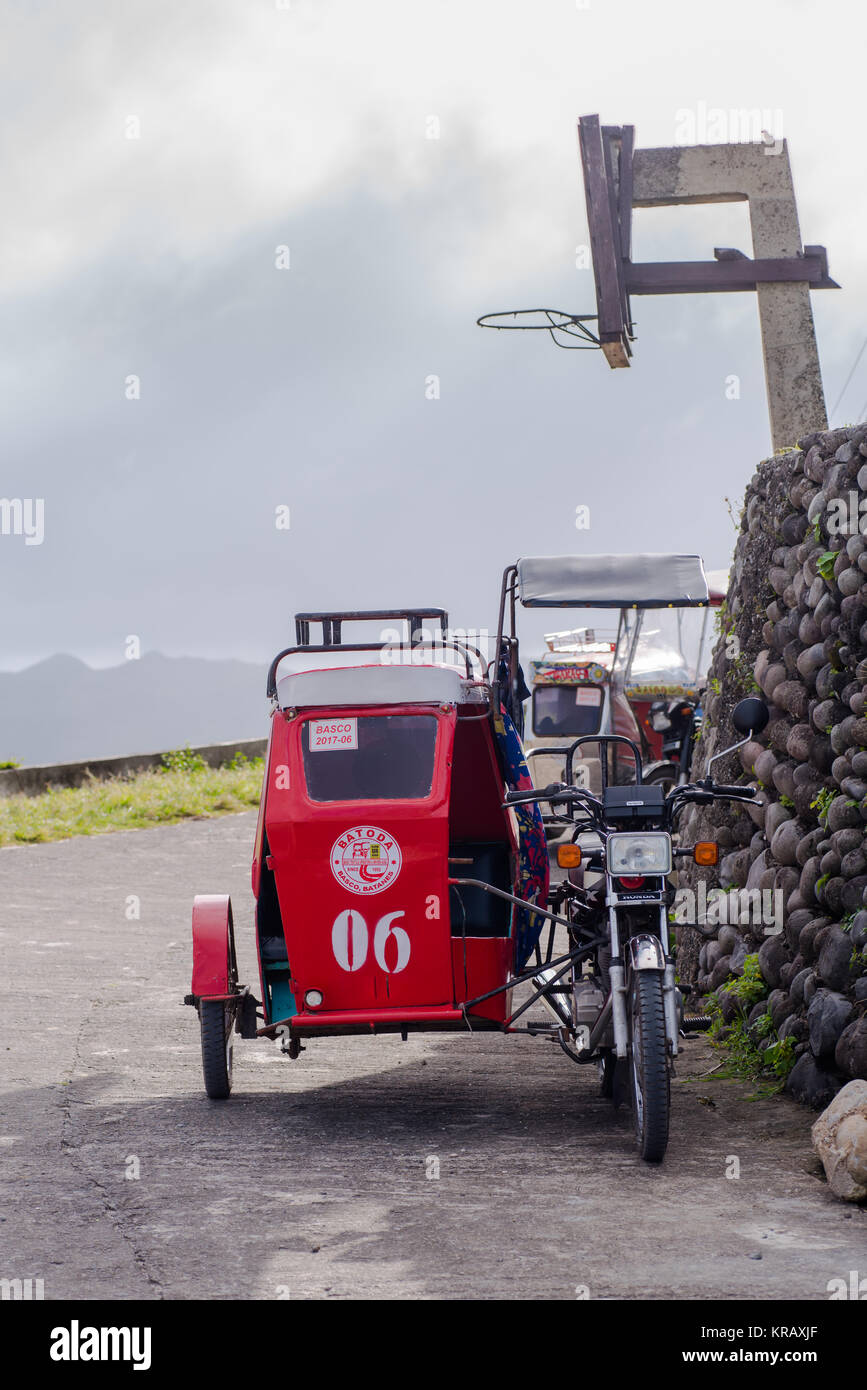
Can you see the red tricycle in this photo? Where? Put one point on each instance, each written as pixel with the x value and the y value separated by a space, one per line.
pixel 401 869
pixel 392 883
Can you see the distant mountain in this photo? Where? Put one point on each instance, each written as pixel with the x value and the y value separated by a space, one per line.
pixel 61 710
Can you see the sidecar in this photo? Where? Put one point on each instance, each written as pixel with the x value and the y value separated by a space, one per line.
pixel 384 786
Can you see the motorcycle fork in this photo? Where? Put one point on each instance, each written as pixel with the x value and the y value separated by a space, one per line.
pixel 621 980
pixel 618 987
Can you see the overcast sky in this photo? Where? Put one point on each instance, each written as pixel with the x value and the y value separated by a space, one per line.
pixel 305 125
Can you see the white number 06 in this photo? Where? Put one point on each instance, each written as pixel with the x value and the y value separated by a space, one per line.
pixel 349 941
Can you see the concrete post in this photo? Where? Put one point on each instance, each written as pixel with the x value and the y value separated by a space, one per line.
pixel 761 175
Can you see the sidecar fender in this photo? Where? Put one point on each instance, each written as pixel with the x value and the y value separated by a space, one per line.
pixel 213 945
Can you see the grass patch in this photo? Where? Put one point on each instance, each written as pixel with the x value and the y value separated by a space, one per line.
pixel 822 804
pixel 184 788
pixel 739 1044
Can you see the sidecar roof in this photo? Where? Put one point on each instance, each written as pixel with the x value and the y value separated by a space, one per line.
pixel 373 684
pixel 612 581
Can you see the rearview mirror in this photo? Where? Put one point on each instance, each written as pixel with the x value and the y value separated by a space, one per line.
pixel 750 716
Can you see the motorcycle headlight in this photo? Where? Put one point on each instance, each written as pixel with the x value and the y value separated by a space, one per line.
pixel 638 854
pixel 660 721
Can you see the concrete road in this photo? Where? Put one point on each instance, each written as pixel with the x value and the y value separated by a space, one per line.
pixel 121 1180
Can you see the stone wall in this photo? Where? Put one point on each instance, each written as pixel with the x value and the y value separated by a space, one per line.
pixel 794 629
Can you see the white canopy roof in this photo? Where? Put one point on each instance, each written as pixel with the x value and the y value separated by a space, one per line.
pixel 375 684
pixel 612 581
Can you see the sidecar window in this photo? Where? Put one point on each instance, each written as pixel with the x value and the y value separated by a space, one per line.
pixel 566 710
pixel 379 757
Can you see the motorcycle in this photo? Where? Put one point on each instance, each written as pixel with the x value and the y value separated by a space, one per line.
pixel 615 991
pixel 400 866
pixel 679 724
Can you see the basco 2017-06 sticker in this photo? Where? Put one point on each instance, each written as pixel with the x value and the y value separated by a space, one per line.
pixel 365 859
pixel 328 734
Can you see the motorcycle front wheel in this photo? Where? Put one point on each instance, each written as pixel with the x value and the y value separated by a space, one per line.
pixel 651 1096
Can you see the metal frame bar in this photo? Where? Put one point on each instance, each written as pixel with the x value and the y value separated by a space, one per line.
pixel 332 622
pixel 620 140
pixel 602 222
pixel 728 275
pixel 509 586
pixel 511 898
pixel 458 647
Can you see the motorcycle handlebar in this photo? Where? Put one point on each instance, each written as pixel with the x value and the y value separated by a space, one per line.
pixel 515 798
pixel 702 793
pixel 696 792
pixel 557 791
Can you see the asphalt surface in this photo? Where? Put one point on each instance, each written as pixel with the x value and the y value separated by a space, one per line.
pixel 316 1180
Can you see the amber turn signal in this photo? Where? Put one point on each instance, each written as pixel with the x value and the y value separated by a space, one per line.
pixel 706 852
pixel 568 856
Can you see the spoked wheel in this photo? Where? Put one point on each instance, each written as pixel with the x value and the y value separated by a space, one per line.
pixel 216 1019
pixel 649 1065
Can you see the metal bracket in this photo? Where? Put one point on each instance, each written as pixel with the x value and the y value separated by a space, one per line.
pixel 731 272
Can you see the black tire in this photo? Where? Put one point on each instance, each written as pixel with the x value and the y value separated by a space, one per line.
pixel 651 1099
pixel 215 1018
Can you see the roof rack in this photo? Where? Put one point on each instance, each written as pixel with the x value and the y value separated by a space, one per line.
pixel 416 637
pixel 332 623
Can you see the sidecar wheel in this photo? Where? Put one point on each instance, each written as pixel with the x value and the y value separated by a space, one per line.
pixel 215 1018
pixel 649 1066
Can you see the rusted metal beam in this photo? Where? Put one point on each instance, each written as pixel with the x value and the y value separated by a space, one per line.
pixel 625 191
pixel 607 262
pixel 728 275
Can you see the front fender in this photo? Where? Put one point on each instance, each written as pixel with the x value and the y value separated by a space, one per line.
pixel 645 952
pixel 654 772
pixel 213 946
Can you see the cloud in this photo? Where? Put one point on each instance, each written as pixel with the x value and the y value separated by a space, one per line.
pixel 308 126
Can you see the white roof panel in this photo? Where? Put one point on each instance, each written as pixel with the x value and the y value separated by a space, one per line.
pixel 611 581
pixel 379 684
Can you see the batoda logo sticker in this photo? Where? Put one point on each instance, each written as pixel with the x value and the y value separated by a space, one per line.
pixel 365 859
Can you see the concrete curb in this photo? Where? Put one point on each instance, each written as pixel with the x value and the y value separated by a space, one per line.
pixel 33 780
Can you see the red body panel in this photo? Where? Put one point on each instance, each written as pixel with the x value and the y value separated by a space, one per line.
pixel 382 948
pixel 481 963
pixel 212 945
pixel 256 873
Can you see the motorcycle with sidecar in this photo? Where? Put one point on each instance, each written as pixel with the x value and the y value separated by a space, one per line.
pixel 400 865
